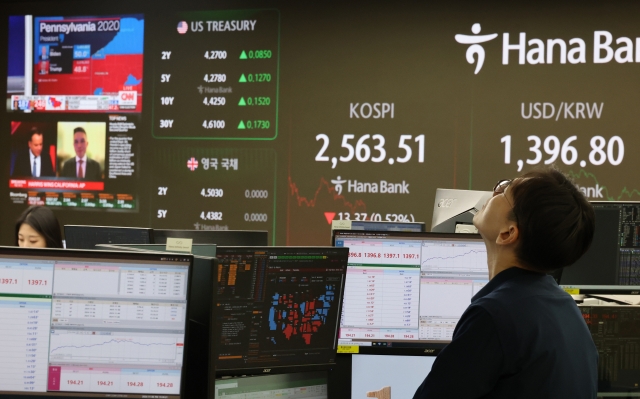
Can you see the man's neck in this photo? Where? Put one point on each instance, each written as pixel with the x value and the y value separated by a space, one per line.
pixel 500 259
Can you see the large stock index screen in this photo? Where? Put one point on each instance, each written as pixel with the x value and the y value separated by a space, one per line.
pixel 277 308
pixel 82 324
pixel 408 289
pixel 285 116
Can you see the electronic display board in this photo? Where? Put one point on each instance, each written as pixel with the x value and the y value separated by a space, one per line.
pixel 284 116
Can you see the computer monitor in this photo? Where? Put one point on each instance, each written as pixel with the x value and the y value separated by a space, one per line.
pixel 408 290
pixel 614 330
pixel 377 226
pixel 602 289
pixel 206 250
pixel 202 285
pixel 388 376
pixel 311 385
pixel 81 324
pixel 87 237
pixel 201 300
pixel 614 255
pixel 278 308
pixel 218 237
pixel 453 210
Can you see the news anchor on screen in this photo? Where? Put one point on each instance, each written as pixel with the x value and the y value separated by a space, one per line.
pixel 33 162
pixel 81 166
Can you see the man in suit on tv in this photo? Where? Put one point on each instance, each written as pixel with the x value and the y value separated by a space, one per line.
pixel 34 163
pixel 81 166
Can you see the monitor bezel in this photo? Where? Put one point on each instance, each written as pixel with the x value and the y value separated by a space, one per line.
pixel 147 230
pixel 408 234
pixel 290 368
pixel 161 234
pixel 156 248
pixel 101 256
pixel 422 225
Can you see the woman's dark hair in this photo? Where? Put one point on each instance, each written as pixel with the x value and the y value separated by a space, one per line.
pixel 43 221
pixel 555 220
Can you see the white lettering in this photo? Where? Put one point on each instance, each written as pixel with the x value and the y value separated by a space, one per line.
pixel 598 46
pixel 594 110
pixel 522 111
pixel 563 50
pixel 353 112
pixel 626 49
pixel 365 116
pixel 394 188
pixel 567 110
pixel 536 55
pixel 536 107
pixel 549 115
pixel 578 54
pixel 506 47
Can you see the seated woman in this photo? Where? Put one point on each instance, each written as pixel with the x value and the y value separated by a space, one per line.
pixel 38 227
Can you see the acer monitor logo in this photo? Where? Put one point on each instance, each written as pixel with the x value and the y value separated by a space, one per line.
pixel 446 202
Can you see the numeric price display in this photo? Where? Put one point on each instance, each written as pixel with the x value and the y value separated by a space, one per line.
pixel 226 91
pixel 215 189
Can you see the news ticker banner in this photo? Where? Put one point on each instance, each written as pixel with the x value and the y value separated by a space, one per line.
pixel 214 189
pixel 230 89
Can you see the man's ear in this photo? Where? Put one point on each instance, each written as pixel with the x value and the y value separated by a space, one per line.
pixel 508 235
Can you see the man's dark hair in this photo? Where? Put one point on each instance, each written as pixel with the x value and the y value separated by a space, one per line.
pixel 555 220
pixel 79 130
pixel 43 221
pixel 33 132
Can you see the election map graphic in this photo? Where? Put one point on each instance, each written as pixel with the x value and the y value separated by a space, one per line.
pixel 82 64
pixel 300 315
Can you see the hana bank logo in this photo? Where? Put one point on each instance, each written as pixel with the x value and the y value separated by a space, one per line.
pixel 475 48
pixel 338 184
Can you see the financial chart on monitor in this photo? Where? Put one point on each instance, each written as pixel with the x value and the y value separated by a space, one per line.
pixel 101 326
pixel 278 307
pixel 408 287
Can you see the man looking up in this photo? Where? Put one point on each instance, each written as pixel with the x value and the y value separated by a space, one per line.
pixel 523 336
pixel 81 166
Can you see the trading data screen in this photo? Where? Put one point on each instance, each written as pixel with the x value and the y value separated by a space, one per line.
pixel 614 330
pixel 278 307
pixel 408 287
pixel 85 326
pixel 629 241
